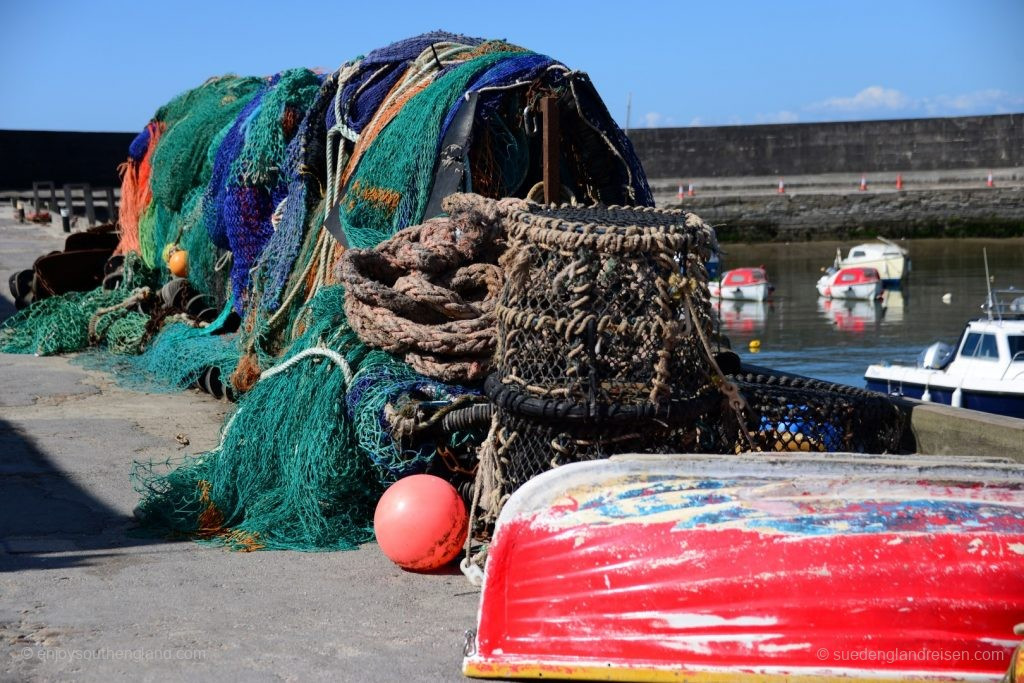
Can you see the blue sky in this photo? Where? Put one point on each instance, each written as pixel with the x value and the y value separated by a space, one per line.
pixel 107 65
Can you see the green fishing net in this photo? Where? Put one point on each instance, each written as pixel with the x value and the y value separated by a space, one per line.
pixel 287 474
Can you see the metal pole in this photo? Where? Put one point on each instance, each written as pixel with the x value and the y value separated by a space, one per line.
pixel 552 180
pixel 111 206
pixel 90 209
pixel 988 282
pixel 629 110
pixel 67 200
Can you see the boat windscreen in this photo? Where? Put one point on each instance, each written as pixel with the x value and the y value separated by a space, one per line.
pixel 1016 342
pixel 980 345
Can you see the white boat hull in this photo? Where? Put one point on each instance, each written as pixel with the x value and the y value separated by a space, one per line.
pixel 986 373
pixel 865 291
pixel 755 292
pixel 960 391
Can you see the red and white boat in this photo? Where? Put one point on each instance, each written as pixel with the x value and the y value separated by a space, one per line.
pixel 757 568
pixel 856 282
pixel 742 284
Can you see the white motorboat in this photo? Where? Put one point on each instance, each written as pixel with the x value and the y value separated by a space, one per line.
pixel 858 282
pixel 888 258
pixel 742 284
pixel 983 371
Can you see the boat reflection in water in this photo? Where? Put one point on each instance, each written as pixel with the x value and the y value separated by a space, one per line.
pixel 856 315
pixel 743 316
pixel 851 315
pixel 892 305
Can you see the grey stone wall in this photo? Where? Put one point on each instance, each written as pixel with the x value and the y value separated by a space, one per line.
pixel 61 157
pixel 852 147
pixel 994 212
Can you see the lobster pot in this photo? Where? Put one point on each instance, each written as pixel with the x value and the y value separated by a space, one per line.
pixel 603 307
pixel 796 414
pixel 603 327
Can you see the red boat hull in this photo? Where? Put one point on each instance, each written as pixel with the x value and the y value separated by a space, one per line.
pixel 841 572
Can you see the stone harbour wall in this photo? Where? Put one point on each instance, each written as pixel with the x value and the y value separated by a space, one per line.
pixel 836 147
pixel 990 212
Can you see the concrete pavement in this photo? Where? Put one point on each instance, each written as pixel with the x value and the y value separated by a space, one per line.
pixel 81 599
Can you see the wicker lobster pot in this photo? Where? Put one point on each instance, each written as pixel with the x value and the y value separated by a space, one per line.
pixel 600 326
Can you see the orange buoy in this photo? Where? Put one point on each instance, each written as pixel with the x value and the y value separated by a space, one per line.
pixel 178 263
pixel 420 522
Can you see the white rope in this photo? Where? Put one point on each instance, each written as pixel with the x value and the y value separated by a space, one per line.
pixel 282 367
pixel 338 359
pixel 226 430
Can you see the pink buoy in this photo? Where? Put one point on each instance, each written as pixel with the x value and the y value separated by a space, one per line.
pixel 420 522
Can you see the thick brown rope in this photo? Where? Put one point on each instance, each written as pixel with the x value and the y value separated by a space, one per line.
pixel 428 294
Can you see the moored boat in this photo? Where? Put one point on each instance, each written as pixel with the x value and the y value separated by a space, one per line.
pixel 778 568
pixel 888 258
pixel 742 284
pixel 851 283
pixel 983 371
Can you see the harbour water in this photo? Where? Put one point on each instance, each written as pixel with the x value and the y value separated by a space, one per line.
pixel 835 340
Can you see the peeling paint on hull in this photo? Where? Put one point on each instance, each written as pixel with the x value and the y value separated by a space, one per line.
pixel 660 571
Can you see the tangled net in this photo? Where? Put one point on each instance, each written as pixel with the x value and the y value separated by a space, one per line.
pixel 264 182
pixel 370 330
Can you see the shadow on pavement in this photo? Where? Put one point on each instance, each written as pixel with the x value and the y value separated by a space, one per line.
pixel 48 520
pixel 6 305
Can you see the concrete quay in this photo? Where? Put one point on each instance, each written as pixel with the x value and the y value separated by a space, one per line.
pixel 81 599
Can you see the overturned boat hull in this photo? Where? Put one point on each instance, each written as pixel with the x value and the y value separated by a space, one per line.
pixel 757 568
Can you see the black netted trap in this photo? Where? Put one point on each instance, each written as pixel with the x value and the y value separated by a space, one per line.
pixel 602 311
pixel 603 328
pixel 787 413
pixel 603 347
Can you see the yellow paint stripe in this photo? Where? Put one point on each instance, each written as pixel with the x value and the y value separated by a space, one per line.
pixel 639 674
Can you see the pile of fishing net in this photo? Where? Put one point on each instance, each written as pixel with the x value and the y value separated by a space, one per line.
pixel 353 258
pixel 259 185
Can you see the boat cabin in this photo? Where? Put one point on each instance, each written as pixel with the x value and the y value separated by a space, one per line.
pixel 993 345
pixel 855 276
pixel 874 251
pixel 741 277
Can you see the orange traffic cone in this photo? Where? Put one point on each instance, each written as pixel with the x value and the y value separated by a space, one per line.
pixel 782 187
pixel 990 182
pixel 680 191
pixel 689 191
pixel 899 182
pixel 863 183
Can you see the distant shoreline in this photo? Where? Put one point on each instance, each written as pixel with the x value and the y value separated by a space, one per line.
pixel 743 211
